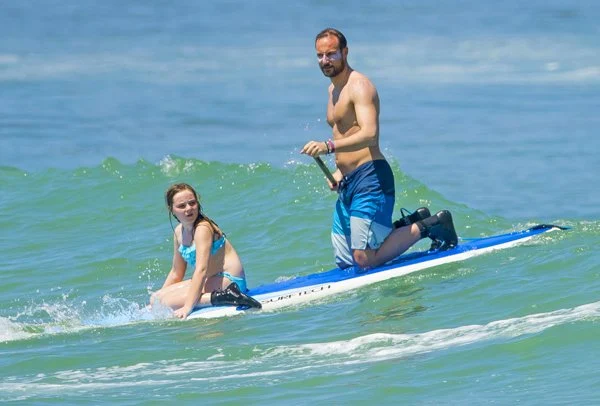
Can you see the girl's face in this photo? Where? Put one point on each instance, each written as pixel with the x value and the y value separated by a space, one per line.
pixel 185 206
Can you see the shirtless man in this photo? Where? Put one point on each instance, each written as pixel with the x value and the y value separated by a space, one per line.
pixel 362 231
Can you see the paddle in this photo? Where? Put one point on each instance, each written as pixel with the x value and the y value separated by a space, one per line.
pixel 325 170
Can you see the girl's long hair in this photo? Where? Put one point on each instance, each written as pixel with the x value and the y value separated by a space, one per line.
pixel 179 187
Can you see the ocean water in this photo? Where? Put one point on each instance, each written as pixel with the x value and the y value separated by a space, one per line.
pixel 489 109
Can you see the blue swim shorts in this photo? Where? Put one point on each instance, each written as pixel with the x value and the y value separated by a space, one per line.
pixel 363 212
pixel 241 282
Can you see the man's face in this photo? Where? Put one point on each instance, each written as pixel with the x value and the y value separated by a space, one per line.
pixel 331 58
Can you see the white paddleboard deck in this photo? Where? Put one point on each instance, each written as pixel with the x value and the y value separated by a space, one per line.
pixel 307 288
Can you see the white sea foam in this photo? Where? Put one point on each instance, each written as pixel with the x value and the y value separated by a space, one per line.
pixel 421 59
pixel 492 60
pixel 8 59
pixel 277 363
pixel 10 331
pixel 382 346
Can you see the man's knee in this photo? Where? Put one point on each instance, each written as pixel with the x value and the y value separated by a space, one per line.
pixel 362 258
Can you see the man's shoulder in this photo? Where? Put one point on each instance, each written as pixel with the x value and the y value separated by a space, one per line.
pixel 358 79
pixel 361 85
pixel 358 76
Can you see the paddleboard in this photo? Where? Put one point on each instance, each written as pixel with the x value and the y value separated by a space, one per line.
pixel 315 286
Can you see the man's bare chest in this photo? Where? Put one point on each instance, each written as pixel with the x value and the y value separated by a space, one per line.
pixel 341 108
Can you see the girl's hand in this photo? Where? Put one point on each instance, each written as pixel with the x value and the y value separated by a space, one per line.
pixel 182 312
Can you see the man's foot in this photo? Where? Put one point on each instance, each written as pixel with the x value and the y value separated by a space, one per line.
pixel 420 214
pixel 440 228
pixel 232 296
pixel 444 231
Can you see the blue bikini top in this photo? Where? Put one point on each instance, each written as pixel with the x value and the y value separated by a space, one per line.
pixel 189 252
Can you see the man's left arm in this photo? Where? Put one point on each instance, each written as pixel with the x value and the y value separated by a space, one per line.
pixel 365 99
pixel 366 102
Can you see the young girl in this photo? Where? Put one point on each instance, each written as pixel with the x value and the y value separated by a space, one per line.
pixel 218 277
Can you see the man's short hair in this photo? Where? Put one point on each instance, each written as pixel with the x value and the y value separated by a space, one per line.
pixel 332 31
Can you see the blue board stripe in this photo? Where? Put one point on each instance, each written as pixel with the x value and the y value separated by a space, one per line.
pixel 336 275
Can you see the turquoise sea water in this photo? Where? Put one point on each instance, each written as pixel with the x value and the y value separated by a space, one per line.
pixel 489 110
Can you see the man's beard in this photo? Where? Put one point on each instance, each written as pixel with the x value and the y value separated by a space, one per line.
pixel 333 72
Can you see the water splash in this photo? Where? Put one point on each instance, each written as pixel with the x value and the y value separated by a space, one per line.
pixel 68 316
pixel 10 331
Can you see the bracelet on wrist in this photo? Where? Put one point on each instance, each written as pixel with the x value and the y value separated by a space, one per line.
pixel 330 146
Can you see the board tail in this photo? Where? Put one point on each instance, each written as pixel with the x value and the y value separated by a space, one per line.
pixel 548 226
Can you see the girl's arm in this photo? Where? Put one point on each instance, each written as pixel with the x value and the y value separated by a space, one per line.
pixel 203 237
pixel 178 266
